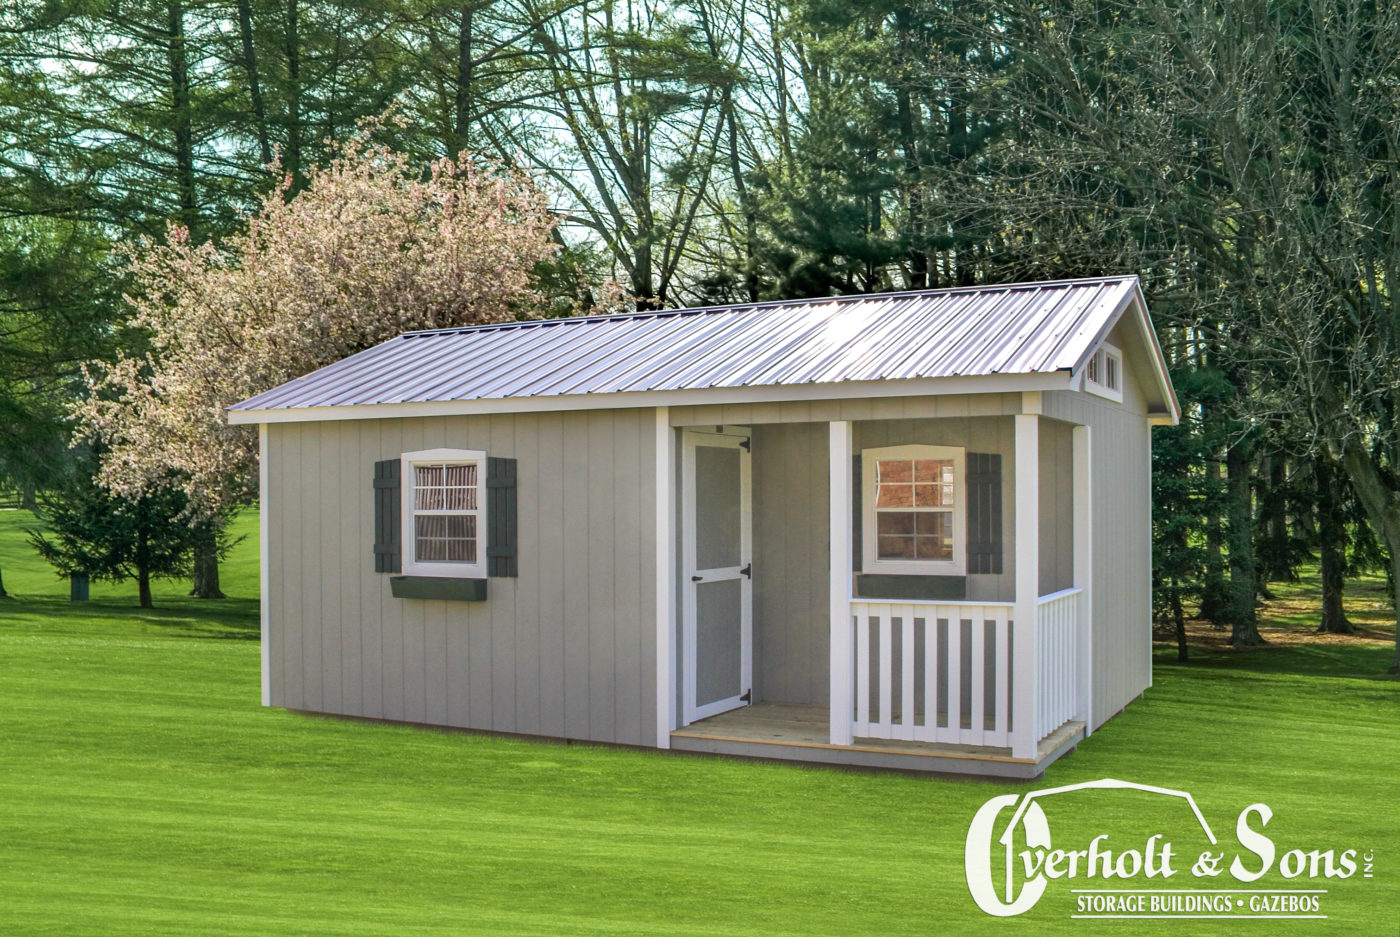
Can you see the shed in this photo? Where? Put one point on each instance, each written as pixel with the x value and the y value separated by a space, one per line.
pixel 906 530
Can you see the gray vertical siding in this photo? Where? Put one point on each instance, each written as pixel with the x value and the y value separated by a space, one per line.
pixel 1122 546
pixel 567 649
pixel 791 526
pixel 1056 506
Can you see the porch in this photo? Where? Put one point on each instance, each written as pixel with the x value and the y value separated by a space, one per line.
pixel 800 732
pixel 796 643
pixel 933 690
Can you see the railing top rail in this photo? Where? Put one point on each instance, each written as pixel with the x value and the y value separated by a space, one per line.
pixel 929 603
pixel 1062 594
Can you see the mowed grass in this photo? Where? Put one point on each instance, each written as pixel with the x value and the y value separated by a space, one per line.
pixel 144 791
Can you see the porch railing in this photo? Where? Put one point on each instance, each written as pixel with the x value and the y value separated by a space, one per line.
pixel 942 671
pixel 1057 664
pixel 933 671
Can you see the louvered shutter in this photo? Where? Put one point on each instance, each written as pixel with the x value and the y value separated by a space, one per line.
pixel 502 536
pixel 984 546
pixel 387 522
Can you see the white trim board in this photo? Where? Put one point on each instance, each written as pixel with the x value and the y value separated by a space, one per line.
pixel 264 571
pixel 665 579
pixel 774 393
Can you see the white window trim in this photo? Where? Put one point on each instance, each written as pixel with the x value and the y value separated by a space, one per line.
pixel 870 562
pixel 1100 360
pixel 407 533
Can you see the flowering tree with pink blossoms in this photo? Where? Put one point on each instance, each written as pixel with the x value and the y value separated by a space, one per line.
pixel 369 248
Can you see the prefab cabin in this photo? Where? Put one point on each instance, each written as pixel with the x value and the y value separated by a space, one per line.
pixel 909 530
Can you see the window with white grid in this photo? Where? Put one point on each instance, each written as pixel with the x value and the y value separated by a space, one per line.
pixel 444 516
pixel 913 510
pixel 1103 375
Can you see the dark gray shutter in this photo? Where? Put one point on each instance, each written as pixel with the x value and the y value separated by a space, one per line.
pixel 984 546
pixel 387 505
pixel 502 534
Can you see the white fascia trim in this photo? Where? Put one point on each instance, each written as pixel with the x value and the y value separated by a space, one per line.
pixel 1158 358
pixel 773 393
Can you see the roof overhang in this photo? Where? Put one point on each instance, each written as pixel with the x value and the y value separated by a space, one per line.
pixel 1164 410
pixel 845 390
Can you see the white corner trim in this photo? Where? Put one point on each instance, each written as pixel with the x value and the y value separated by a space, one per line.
pixel 842 662
pixel 1025 665
pixel 665 579
pixel 264 571
pixel 1082 444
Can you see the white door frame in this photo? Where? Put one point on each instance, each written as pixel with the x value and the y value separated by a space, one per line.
pixel 731 437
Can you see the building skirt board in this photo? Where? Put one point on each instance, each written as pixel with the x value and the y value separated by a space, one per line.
pixel 799 732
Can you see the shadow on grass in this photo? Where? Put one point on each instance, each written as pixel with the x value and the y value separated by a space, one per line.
pixel 225 619
pixel 1356 661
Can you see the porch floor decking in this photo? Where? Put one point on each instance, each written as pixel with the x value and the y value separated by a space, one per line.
pixel 798 732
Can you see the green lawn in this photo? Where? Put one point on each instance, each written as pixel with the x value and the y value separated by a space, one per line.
pixel 144 791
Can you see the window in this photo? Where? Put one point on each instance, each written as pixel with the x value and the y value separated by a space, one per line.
pixel 444 512
pixel 1103 375
pixel 913 516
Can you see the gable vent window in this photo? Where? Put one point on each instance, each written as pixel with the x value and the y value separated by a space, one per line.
pixel 1103 375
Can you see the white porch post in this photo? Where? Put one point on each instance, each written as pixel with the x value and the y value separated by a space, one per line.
pixel 264 568
pixel 1025 692
pixel 1082 441
pixel 842 694
pixel 665 578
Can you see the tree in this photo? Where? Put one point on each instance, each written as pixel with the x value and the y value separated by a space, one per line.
pixel 93 532
pixel 1252 152
pixel 630 128
pixel 371 247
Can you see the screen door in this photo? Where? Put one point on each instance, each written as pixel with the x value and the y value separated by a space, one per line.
pixel 716 548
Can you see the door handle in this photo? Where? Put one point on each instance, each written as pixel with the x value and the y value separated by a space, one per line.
pixel 747 571
pixel 696 578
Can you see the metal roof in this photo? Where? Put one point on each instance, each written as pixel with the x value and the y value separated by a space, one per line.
pixel 1024 328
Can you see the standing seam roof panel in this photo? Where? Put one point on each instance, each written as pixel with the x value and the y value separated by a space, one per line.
pixel 1003 329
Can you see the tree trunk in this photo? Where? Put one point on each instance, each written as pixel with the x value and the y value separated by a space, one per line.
pixel 143 567
pixel 250 66
pixel 1331 536
pixel 1179 621
pixel 1215 597
pixel 3 593
pixel 292 163
pixel 143 587
pixel 1244 629
pixel 1275 517
pixel 206 567
pixel 462 117
pixel 746 203
pixel 180 105
pixel 28 497
pixel 1382 504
